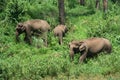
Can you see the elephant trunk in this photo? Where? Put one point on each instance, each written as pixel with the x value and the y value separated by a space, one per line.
pixel 71 55
pixel 17 36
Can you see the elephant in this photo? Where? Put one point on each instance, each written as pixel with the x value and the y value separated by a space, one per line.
pixel 89 47
pixel 32 27
pixel 59 31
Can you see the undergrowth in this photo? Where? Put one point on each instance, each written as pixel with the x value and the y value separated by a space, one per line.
pixel 20 61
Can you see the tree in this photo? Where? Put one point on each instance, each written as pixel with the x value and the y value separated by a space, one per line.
pixel 82 2
pixel 105 4
pixel 61 11
pixel 97 5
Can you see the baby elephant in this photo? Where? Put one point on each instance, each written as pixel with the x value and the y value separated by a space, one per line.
pixel 59 32
pixel 89 47
pixel 32 27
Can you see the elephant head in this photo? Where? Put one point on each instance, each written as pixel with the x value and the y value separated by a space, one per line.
pixel 20 28
pixel 76 47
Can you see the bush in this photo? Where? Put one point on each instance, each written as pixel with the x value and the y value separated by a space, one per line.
pixel 20 61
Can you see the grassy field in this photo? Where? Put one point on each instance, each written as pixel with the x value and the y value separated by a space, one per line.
pixel 20 61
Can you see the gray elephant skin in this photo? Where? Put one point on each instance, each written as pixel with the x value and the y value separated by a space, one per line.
pixel 89 47
pixel 59 31
pixel 31 27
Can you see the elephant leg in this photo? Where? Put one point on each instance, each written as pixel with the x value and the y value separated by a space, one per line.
pixel 29 40
pixel 25 39
pixel 45 38
pixel 28 36
pixel 82 57
pixel 60 39
pixel 71 55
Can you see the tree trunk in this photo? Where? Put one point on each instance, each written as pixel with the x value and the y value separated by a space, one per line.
pixel 97 4
pixel 61 11
pixel 82 2
pixel 105 5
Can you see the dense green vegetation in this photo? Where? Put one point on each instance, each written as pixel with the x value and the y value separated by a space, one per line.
pixel 19 61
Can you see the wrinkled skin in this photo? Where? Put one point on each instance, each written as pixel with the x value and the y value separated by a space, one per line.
pixel 89 47
pixel 59 31
pixel 32 27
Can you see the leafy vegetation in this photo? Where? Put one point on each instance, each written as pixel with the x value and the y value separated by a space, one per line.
pixel 19 61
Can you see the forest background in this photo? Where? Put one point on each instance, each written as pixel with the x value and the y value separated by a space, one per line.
pixel 20 61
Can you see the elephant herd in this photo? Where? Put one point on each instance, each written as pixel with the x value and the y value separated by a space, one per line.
pixel 38 27
pixel 87 48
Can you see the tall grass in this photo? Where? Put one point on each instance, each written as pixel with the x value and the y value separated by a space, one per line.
pixel 19 61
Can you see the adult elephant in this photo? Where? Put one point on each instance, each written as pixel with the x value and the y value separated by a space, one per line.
pixel 31 27
pixel 89 47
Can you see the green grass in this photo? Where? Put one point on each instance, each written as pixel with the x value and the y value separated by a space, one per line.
pixel 19 61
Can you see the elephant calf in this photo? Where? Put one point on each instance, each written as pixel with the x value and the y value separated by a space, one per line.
pixel 89 47
pixel 35 26
pixel 60 31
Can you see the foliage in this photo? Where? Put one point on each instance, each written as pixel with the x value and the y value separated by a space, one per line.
pixel 2 5
pixel 20 61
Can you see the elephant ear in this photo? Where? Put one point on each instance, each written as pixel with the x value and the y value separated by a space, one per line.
pixel 82 47
pixel 23 28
